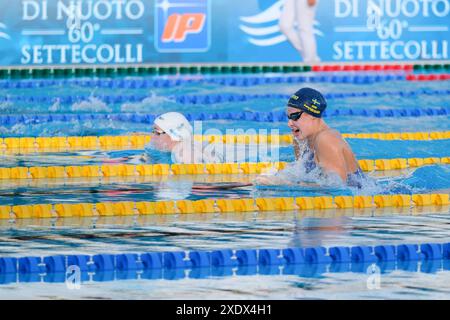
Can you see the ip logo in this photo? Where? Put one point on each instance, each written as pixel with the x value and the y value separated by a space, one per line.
pixel 182 26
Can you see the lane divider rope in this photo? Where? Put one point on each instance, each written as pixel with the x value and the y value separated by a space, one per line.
pixel 130 208
pixel 165 70
pixel 221 98
pixel 168 83
pixel 43 144
pixel 301 270
pixel 225 81
pixel 211 69
pixel 165 169
pixel 428 77
pixel 293 260
pixel 209 99
pixel 272 116
pixel 160 219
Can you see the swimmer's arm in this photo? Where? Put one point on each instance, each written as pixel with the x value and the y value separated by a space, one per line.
pixel 330 157
pixel 139 134
pixel 281 177
pixel 271 180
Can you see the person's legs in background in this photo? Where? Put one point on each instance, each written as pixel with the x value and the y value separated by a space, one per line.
pixel 287 24
pixel 305 22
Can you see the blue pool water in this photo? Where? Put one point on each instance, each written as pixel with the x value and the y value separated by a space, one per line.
pixel 216 231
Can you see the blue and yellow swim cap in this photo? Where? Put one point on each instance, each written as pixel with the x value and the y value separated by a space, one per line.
pixel 309 100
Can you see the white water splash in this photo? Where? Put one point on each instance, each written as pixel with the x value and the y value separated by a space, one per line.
pixel 152 102
pixel 296 175
pixel 56 106
pixel 6 106
pixel 93 104
pixel 19 129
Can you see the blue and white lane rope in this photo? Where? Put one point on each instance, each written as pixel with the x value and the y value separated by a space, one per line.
pixel 232 81
pixel 225 258
pixel 273 116
pixel 208 98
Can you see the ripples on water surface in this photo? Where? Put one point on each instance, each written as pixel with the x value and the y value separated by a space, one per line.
pixel 235 231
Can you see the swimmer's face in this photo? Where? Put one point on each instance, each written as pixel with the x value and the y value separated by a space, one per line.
pixel 161 140
pixel 302 127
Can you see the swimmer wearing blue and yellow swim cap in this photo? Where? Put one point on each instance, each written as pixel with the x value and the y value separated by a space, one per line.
pixel 308 100
pixel 325 146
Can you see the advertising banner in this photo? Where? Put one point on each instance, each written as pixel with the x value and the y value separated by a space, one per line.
pixel 108 32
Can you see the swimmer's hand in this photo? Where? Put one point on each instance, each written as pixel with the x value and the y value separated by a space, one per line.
pixel 262 180
pixel 267 180
pixel 139 134
pixel 144 158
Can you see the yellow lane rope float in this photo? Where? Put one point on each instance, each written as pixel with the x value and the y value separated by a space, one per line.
pixel 42 144
pixel 130 208
pixel 164 219
pixel 128 170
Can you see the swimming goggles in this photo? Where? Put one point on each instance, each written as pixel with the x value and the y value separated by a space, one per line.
pixel 158 133
pixel 295 116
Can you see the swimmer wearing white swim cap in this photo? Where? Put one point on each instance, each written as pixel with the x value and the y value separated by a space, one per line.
pixel 173 133
pixel 175 125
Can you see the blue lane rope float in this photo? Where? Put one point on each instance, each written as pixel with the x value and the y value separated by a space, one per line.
pixel 167 273
pixel 209 98
pixel 231 81
pixel 307 262
pixel 339 259
pixel 222 98
pixel 272 116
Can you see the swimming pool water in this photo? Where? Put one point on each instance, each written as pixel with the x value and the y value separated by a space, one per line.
pixel 236 231
pixel 159 100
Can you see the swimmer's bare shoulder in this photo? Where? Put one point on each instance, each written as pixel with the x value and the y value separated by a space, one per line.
pixel 329 153
pixel 332 141
pixel 329 139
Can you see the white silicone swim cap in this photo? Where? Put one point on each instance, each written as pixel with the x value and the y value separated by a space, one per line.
pixel 175 125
